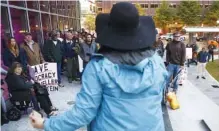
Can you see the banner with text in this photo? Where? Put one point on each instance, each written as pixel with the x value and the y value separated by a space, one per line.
pixel 45 74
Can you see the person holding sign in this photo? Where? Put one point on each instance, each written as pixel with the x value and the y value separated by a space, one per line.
pixel 17 82
pixel 122 85
pixel 54 52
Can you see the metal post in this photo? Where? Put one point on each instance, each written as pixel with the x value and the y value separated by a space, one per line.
pixel 27 17
pixel 10 21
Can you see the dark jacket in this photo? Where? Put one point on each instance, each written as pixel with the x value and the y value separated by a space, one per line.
pixel 68 49
pixel 52 52
pixel 17 82
pixel 9 58
pixel 87 51
pixel 202 56
pixel 211 49
pixel 194 47
pixel 176 53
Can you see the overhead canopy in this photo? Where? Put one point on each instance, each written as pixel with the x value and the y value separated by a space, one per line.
pixel 202 29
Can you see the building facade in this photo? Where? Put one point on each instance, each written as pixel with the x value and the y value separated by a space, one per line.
pixel 88 7
pixel 149 5
pixel 37 17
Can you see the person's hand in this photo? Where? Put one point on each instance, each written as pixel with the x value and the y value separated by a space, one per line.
pixel 36 120
pixel 65 60
pixel 32 81
pixel 32 90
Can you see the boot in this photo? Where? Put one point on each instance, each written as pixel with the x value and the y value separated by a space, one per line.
pixel 4 119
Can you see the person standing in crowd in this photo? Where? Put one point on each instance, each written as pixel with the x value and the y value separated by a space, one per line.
pixel 194 47
pixel 59 36
pixel 14 54
pixel 70 57
pixel 202 59
pixel 54 52
pixel 175 57
pixel 211 51
pixel 88 48
pixel 33 51
pixel 122 85
pixel 159 46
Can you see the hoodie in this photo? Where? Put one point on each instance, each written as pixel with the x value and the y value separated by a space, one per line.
pixel 120 92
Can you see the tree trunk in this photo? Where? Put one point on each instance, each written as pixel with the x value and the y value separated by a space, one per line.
pixel 191 38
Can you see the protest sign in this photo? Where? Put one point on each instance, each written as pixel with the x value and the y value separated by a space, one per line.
pixel 80 61
pixel 188 53
pixel 45 74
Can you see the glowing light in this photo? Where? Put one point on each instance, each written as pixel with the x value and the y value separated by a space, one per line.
pixel 37 26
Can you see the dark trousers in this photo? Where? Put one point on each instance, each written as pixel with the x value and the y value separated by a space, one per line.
pixel 59 70
pixel 72 68
pixel 211 56
pixel 45 103
pixel 35 103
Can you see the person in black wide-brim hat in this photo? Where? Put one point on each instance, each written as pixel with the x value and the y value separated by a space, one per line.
pixel 128 31
pixel 122 85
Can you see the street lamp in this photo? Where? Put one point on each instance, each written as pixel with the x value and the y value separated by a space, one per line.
pixel 217 21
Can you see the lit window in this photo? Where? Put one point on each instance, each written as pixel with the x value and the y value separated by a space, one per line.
pixel 99 9
pixel 144 6
pixel 154 5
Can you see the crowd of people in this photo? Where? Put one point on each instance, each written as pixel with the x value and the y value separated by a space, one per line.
pixel 63 49
pixel 124 78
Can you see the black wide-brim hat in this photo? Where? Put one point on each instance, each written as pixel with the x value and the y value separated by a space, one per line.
pixel 124 29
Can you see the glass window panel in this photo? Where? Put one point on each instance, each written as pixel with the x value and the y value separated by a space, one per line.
pixel 70 23
pixel 32 5
pixel 54 22
pixel 45 25
pixel 61 23
pixel 60 8
pixel 53 6
pixel 19 23
pixel 35 28
pixel 4 1
pixel 4 27
pixel 44 6
pixel 17 3
pixel 69 10
pixel 66 26
pixel 66 3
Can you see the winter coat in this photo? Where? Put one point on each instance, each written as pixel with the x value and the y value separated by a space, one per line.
pixel 87 51
pixel 9 58
pixel 69 52
pixel 202 57
pixel 34 57
pixel 119 93
pixel 52 52
pixel 18 82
